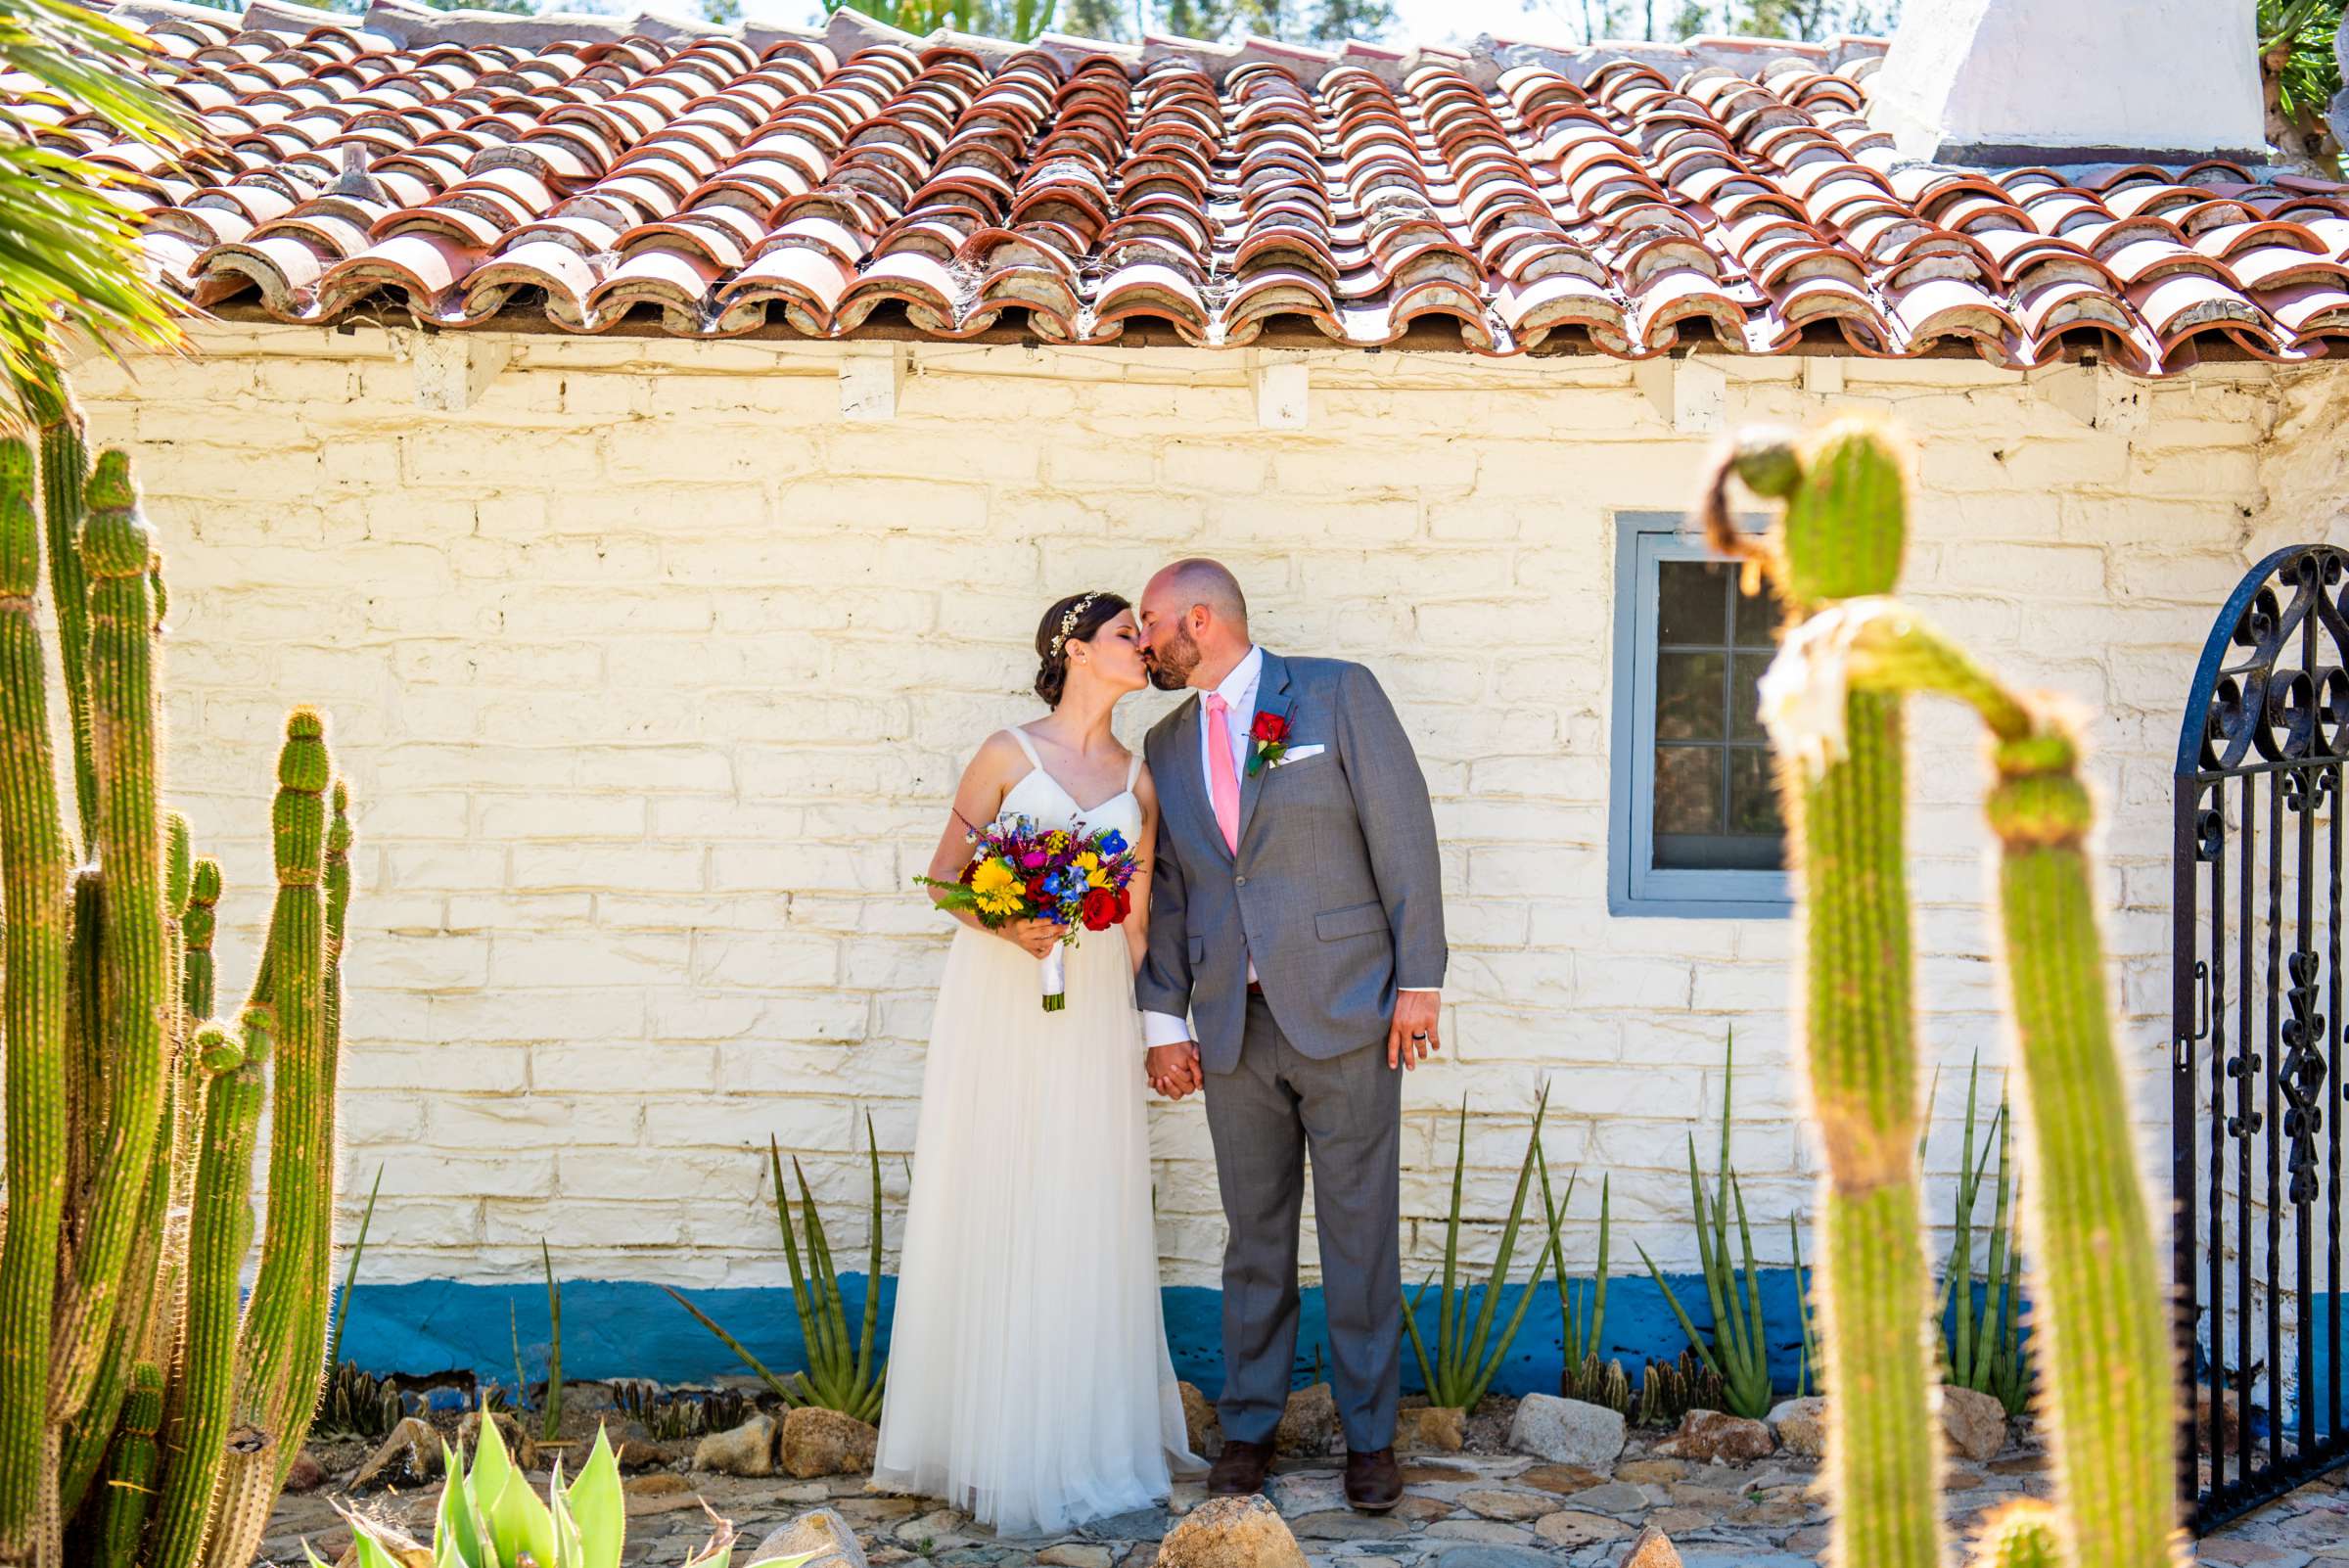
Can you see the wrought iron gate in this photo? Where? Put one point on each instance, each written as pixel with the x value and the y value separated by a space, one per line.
pixel 2256 1053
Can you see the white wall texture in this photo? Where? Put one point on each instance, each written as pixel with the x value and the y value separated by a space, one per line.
pixel 651 677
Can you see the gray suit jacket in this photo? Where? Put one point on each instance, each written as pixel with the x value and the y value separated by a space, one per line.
pixel 1336 891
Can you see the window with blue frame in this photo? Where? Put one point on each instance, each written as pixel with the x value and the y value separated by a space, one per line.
pixel 1694 828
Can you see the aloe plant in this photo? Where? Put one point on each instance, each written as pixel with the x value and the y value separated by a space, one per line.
pixel 1467 1358
pixel 1832 701
pixel 1583 1312
pixel 488 1518
pixel 351 1274
pixel 1989 1357
pixel 1737 1350
pixel 839 1376
pixel 1805 1373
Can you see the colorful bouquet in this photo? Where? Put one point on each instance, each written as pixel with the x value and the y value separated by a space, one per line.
pixel 1020 871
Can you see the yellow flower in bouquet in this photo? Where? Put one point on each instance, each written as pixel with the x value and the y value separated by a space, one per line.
pixel 997 889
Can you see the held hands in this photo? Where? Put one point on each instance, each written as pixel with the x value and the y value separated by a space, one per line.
pixel 1038 936
pixel 1413 1037
pixel 1172 1070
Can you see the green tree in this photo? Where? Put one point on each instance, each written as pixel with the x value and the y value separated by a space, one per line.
pixel 69 257
pixel 721 13
pixel 2299 73
pixel 1110 20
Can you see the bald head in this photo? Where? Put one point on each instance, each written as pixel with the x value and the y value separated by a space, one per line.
pixel 1194 624
pixel 1202 582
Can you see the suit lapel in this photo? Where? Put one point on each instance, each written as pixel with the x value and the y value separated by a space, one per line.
pixel 1272 697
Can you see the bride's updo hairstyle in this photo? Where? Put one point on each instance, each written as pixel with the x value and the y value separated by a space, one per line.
pixel 1073 619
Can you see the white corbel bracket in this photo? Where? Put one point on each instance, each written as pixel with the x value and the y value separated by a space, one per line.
pixel 871 374
pixel 2095 394
pixel 1283 391
pixel 454 368
pixel 1691 393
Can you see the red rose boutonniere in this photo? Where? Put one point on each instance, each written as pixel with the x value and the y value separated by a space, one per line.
pixel 1271 737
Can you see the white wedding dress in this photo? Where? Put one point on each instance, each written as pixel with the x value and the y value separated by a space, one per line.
pixel 1029 1380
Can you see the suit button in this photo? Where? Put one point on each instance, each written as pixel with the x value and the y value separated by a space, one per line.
pixel 1239 882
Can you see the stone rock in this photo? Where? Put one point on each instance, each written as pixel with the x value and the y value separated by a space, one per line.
pixel 2227 1406
pixel 1975 1423
pixel 410 1455
pixel 1232 1533
pixel 1308 1423
pixel 826 1443
pixel 1485 1556
pixel 1575 1527
pixel 1715 1436
pixel 1073 1555
pixel 1651 1472
pixel 820 1531
pixel 747 1449
pixel 519 1443
pixel 1567 1431
pixel 1516 1507
pixel 305 1473
pixel 1431 1429
pixel 1800 1426
pixel 1203 1428
pixel 658 1484
pixel 1560 1478
pixel 1344 1524
pixel 1653 1549
pixel 1616 1497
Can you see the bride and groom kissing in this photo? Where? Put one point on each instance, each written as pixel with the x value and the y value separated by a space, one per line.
pixel 1284 954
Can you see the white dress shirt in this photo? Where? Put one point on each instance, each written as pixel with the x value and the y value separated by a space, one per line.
pixel 1238 690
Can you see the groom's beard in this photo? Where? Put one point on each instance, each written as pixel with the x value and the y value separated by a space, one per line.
pixel 1170 670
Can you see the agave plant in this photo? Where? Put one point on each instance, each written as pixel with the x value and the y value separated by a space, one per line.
pixel 489 1519
pixel 1806 1372
pixel 1736 1351
pixel 1467 1358
pixel 838 1377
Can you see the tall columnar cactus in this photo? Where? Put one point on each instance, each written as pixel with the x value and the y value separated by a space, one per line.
pixel 1833 701
pixel 130 1116
pixel 38 907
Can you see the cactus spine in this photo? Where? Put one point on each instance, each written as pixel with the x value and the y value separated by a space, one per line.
pixel 128 1172
pixel 1832 702
pixel 37 900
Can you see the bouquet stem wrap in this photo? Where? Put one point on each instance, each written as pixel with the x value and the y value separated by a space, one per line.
pixel 1052 971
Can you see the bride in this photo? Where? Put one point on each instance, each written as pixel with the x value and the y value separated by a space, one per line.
pixel 1029 1380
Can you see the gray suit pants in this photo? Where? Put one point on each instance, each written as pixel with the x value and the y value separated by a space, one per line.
pixel 1264 1114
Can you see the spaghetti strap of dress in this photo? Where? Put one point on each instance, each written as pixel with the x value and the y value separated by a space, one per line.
pixel 1026 744
pixel 1133 771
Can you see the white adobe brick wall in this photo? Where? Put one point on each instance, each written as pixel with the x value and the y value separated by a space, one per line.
pixel 651 677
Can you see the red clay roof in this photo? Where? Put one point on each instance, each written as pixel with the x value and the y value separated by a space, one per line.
pixel 826 185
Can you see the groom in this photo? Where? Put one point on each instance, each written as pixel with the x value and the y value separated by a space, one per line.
pixel 1297 922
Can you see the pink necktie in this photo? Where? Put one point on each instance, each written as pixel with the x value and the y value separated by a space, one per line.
pixel 1222 777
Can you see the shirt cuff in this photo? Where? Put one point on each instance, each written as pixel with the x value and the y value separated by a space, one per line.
pixel 1164 1029
pixel 1432 991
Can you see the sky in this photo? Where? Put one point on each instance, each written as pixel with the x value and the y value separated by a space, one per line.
pixel 1416 20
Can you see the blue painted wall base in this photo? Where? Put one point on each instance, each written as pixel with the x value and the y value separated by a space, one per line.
pixel 627 1328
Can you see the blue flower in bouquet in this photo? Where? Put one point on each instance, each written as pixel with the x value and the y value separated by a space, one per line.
pixel 1113 842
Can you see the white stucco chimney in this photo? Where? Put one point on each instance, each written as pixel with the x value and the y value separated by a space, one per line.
pixel 2002 82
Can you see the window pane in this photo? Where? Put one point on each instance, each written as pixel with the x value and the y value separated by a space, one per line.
pixel 1688 789
pixel 1693 602
pixel 1758 619
pixel 1745 698
pixel 1688 696
pixel 1753 793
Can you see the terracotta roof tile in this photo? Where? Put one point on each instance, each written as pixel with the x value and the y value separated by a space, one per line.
pixel 706 184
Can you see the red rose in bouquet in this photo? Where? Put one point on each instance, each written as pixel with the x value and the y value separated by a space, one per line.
pixel 1101 908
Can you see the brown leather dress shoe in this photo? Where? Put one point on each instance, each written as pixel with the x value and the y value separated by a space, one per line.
pixel 1373 1481
pixel 1240 1469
